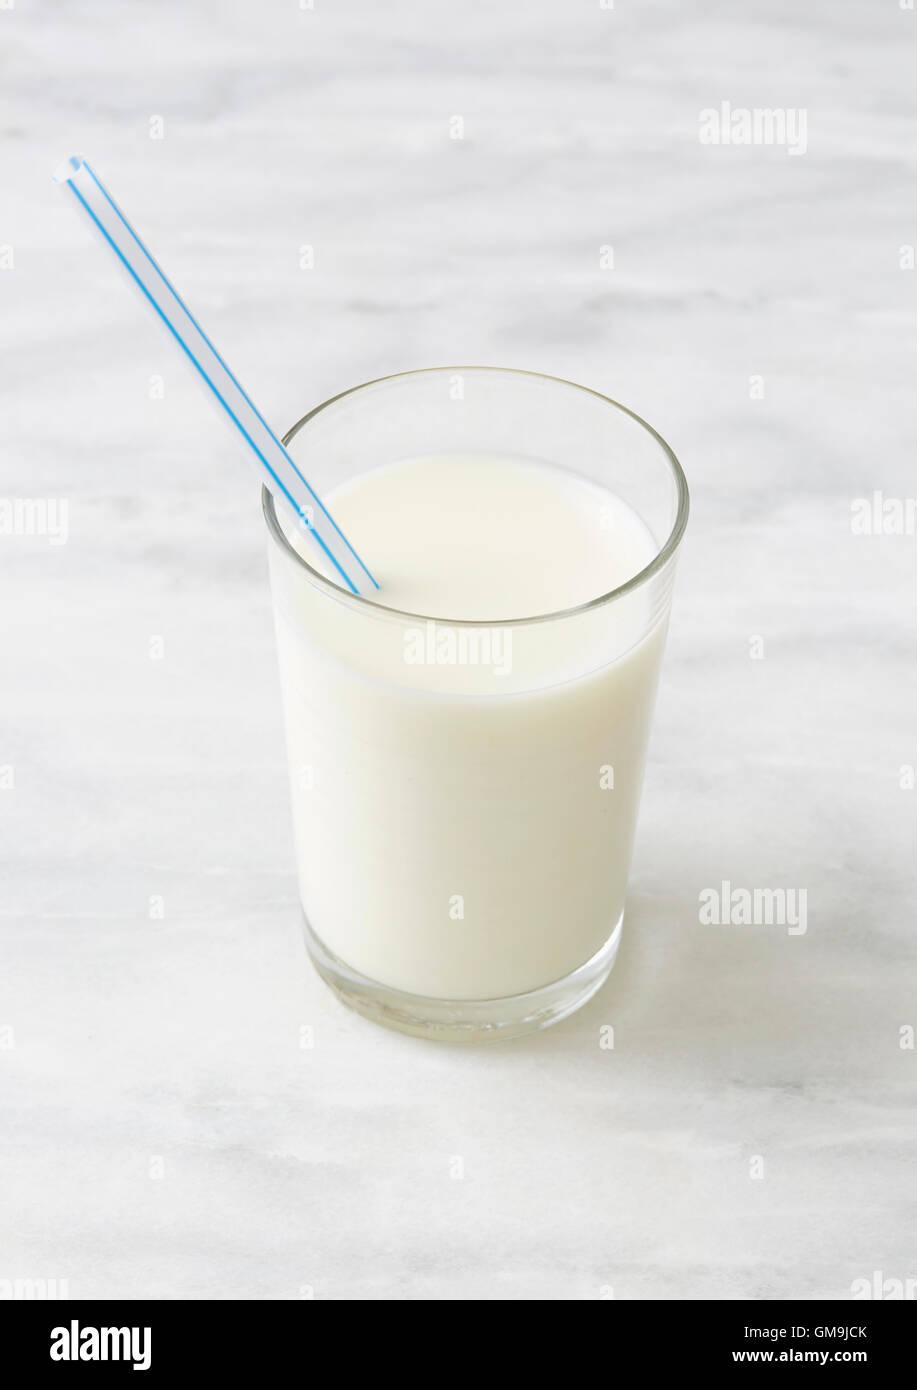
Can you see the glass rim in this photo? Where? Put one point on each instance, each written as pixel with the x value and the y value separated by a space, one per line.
pixel 372 606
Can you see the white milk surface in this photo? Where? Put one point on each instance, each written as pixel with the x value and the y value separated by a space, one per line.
pixel 465 799
pixel 489 538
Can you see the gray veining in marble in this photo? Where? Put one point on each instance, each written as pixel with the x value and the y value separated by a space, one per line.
pixel 166 1132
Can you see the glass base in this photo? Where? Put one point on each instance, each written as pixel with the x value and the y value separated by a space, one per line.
pixel 461 1020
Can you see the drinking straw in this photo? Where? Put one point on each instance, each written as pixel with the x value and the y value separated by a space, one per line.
pixel 283 477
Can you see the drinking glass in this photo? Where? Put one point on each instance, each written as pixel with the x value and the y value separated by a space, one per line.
pixel 465 794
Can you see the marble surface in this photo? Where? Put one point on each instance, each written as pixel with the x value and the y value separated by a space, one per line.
pixel 166 1131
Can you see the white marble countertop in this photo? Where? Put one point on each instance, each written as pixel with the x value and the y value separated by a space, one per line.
pixel 165 1133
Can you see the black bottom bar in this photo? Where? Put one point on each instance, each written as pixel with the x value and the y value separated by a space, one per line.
pixel 112 1338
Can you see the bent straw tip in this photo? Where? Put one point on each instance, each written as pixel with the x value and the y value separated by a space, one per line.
pixel 64 172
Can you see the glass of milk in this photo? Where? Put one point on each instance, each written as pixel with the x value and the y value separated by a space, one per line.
pixel 467 746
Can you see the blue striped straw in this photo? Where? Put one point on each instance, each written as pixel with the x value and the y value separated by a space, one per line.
pixel 282 475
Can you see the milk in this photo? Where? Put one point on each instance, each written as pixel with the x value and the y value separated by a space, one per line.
pixel 465 798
